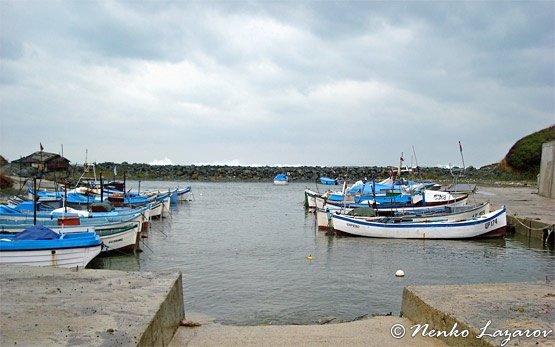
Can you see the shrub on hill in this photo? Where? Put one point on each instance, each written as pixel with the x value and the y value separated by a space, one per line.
pixel 525 155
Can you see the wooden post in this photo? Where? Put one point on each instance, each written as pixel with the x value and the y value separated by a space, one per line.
pixel 35 200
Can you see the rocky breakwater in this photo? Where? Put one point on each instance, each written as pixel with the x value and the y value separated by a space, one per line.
pixel 296 173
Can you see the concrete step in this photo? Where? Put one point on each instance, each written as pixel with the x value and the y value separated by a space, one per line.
pixel 376 331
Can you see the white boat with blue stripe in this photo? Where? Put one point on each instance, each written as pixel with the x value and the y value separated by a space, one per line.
pixel 493 224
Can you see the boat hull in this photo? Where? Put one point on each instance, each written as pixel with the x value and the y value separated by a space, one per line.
pixel 447 213
pixel 184 194
pixel 124 239
pixel 310 198
pixel 66 258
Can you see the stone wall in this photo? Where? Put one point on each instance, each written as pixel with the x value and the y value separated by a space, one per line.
pixel 546 181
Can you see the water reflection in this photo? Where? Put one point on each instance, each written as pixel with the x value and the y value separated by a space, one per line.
pixel 123 262
pixel 532 243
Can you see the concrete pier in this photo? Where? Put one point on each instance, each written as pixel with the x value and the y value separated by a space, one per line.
pixel 42 306
pixel 530 213
pixel 498 314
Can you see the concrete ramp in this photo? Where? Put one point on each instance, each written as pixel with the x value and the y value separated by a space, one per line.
pixel 375 331
pixel 41 306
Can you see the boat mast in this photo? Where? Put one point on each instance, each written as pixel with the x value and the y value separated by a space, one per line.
pixel 416 161
pixel 462 157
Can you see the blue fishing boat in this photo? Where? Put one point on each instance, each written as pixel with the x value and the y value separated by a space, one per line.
pixel 10 213
pixel 41 246
pixel 76 198
pixel 328 181
pixel 281 179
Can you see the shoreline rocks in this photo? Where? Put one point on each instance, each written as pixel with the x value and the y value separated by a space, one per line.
pixel 225 173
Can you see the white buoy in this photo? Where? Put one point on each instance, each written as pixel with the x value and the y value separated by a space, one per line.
pixel 400 273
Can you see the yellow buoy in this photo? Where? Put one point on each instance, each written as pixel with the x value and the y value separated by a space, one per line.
pixel 309 257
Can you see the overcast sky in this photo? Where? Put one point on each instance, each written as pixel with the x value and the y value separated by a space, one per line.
pixel 275 82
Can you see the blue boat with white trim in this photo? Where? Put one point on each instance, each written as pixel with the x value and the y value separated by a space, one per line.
pixel 41 246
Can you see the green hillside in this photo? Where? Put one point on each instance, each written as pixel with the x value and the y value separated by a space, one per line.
pixel 525 155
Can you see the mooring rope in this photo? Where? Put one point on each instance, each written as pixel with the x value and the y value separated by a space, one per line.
pixel 108 248
pixel 552 226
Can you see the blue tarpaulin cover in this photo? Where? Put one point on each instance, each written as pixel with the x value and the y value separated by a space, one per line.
pixel 37 232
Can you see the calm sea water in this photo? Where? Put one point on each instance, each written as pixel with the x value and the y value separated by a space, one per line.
pixel 242 249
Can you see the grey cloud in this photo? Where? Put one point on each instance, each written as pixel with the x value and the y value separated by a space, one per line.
pixel 328 82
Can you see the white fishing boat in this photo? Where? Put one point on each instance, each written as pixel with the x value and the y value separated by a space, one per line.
pixel 492 224
pixel 156 209
pixel 310 198
pixel 446 213
pixel 40 246
pixel 123 238
pixel 166 206
pixel 184 194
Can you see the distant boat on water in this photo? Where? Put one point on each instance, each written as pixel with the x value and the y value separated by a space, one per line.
pixel 281 179
pixel 328 181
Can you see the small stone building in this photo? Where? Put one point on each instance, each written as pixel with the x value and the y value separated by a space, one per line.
pixel 43 161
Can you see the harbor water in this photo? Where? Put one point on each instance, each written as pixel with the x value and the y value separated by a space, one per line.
pixel 250 254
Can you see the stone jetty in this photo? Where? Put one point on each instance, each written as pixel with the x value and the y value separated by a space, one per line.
pixel 296 173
